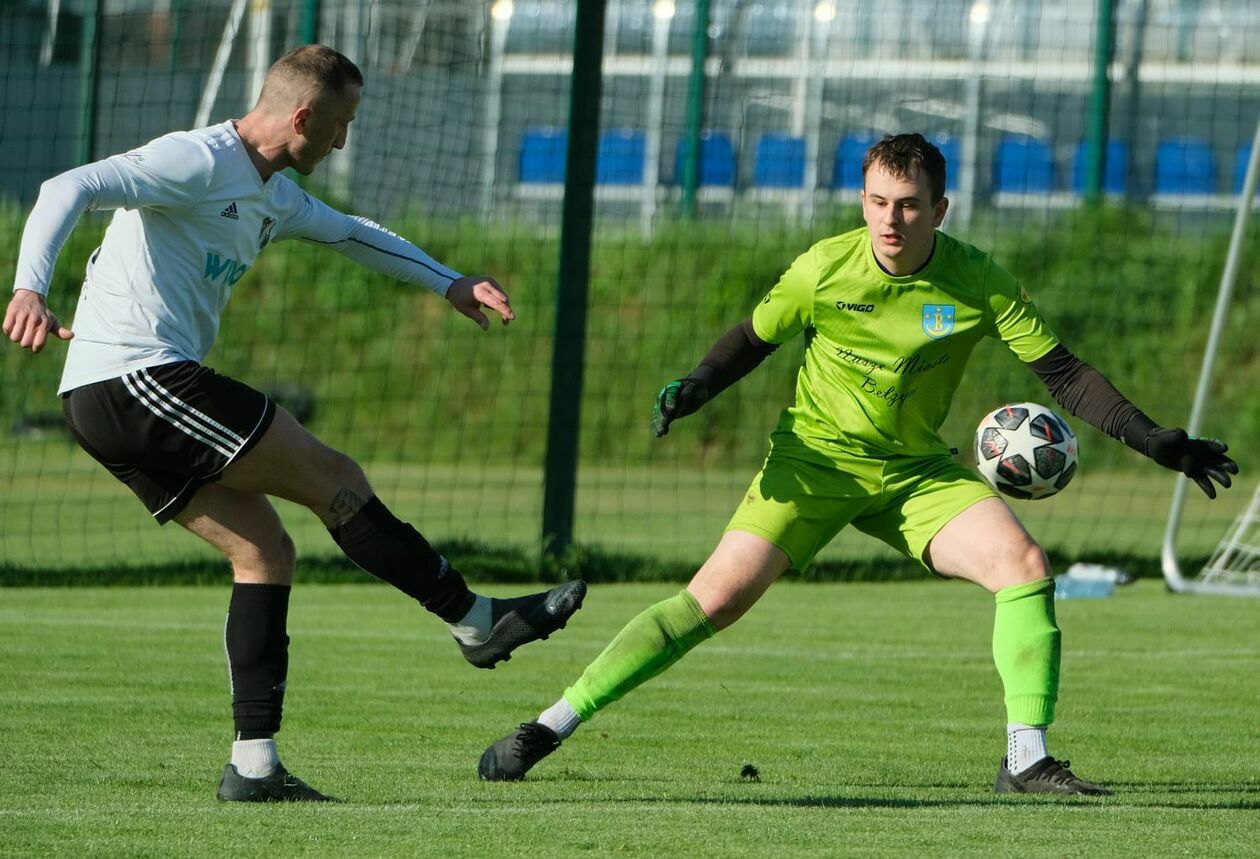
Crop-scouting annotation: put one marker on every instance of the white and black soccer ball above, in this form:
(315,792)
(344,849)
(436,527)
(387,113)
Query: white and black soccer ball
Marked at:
(1024,450)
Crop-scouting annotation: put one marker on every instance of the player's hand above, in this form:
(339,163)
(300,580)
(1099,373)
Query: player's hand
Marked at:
(678,399)
(1196,458)
(28,321)
(470,294)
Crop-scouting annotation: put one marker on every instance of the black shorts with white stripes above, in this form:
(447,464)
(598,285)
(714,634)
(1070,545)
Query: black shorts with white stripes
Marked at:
(166,431)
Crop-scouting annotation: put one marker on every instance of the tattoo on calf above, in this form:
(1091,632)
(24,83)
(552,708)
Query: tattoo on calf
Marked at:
(346,503)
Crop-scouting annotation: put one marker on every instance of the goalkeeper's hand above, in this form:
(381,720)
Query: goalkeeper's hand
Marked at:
(678,399)
(1196,458)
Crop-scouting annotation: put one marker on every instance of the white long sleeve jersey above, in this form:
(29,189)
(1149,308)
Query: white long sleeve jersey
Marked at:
(192,216)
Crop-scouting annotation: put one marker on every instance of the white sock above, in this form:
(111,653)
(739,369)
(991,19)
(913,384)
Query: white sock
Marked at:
(255,758)
(474,627)
(561,718)
(1025,745)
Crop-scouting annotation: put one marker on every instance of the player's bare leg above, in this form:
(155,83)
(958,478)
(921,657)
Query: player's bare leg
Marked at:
(987,545)
(244,527)
(289,462)
(740,570)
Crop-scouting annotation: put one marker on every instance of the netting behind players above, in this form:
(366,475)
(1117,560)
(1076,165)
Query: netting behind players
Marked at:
(459,145)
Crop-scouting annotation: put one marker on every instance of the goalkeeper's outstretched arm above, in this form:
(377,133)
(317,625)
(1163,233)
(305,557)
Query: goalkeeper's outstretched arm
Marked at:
(1086,393)
(735,354)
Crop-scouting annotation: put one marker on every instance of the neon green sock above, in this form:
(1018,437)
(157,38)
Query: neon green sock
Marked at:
(645,647)
(1026,650)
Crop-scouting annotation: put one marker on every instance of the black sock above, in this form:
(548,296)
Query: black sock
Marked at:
(258,657)
(394,551)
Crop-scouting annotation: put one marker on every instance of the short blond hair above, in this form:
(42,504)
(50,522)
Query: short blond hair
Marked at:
(306,73)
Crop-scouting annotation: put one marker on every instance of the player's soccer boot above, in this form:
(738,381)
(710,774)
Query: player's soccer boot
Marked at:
(1046,776)
(511,757)
(524,619)
(280,786)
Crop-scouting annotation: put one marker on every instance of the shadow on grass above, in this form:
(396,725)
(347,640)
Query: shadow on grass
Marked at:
(1121,800)
(1128,795)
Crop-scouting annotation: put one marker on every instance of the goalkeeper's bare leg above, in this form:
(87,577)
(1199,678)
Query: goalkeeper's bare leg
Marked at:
(984,544)
(740,570)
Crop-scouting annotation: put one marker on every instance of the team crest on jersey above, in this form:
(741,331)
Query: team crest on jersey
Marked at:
(264,235)
(938,320)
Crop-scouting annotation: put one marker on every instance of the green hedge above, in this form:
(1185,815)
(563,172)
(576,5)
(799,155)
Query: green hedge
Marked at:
(384,361)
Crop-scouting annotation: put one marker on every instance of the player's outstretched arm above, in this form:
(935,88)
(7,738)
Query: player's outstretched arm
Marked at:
(1086,393)
(471,293)
(736,354)
(28,321)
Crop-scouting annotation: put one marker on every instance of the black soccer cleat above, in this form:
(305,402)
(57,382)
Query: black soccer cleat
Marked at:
(280,786)
(521,620)
(511,757)
(1046,776)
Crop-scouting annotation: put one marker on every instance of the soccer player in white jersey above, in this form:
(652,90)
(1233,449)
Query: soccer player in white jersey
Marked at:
(193,211)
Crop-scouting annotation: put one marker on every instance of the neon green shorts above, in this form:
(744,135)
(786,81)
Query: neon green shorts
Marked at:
(802,498)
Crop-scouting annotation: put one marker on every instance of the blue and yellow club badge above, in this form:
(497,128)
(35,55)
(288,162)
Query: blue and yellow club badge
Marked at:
(938,320)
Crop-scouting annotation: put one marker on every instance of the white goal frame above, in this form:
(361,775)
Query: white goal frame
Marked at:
(1222,575)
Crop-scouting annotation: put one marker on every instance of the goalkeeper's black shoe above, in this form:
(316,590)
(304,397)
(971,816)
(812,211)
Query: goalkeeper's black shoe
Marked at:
(280,786)
(524,619)
(511,757)
(1046,776)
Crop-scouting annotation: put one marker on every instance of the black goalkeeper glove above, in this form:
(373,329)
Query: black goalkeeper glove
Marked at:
(1196,458)
(678,399)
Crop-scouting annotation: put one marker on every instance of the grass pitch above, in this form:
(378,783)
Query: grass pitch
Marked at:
(872,713)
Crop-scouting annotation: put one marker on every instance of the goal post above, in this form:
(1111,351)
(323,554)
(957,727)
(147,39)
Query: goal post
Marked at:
(1235,568)
(1236,562)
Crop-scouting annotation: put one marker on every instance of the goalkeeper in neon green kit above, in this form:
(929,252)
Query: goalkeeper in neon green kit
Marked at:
(890,314)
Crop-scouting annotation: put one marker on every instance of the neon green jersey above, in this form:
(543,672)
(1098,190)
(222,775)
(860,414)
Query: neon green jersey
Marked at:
(885,354)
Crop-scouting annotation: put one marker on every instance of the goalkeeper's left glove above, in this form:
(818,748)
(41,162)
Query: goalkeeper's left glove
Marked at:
(1196,458)
(678,399)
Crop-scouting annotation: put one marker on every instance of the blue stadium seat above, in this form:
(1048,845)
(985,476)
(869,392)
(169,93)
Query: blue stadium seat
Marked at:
(1240,166)
(850,152)
(1184,165)
(621,157)
(542,155)
(717,159)
(1114,171)
(779,161)
(1023,165)
(948,145)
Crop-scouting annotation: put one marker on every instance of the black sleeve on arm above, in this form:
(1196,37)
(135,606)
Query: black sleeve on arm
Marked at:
(1086,393)
(735,354)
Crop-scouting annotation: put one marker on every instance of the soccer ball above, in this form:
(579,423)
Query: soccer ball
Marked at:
(1025,451)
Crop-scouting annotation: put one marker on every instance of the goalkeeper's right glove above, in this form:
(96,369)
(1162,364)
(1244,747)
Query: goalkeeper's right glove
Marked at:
(1196,458)
(678,399)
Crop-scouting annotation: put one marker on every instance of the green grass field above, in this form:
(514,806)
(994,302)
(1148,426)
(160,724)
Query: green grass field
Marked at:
(872,712)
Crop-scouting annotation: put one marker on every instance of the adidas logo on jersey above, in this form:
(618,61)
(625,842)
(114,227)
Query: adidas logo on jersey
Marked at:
(230,212)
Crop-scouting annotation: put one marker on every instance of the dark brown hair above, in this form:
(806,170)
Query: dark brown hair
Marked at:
(904,155)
